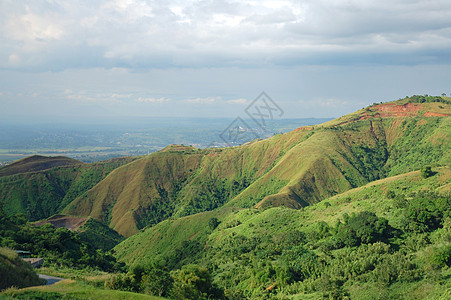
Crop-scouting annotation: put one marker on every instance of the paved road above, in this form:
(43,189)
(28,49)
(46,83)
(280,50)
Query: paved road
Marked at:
(50,279)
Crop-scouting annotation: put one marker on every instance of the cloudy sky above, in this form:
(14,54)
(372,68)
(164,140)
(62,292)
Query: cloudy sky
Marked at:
(315,58)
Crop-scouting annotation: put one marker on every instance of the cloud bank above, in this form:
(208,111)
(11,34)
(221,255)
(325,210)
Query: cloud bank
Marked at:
(136,34)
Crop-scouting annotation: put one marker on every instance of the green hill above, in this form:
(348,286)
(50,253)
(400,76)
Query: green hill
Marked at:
(15,272)
(68,289)
(315,252)
(89,230)
(41,194)
(296,169)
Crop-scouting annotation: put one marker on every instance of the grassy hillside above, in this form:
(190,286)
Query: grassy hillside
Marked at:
(36,163)
(41,194)
(314,252)
(99,235)
(70,289)
(294,170)
(15,272)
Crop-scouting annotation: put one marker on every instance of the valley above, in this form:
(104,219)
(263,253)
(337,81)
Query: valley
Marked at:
(357,207)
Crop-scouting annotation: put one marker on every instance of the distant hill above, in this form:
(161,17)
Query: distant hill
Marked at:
(37,163)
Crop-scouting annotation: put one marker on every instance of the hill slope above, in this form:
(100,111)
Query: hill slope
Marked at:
(37,163)
(313,252)
(15,272)
(296,169)
(41,194)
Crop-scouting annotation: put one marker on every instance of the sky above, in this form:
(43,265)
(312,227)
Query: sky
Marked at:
(315,58)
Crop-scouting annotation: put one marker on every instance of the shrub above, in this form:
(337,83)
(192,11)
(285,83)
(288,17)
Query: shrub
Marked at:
(157,281)
(425,212)
(426,172)
(194,282)
(363,228)
(441,256)
(213,223)
(299,263)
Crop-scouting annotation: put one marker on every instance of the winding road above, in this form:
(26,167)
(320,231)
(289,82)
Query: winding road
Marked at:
(50,279)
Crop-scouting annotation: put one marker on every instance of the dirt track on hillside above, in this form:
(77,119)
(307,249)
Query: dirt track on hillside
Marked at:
(69,222)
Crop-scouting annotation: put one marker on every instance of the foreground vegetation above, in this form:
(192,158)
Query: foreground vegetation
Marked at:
(59,246)
(389,239)
(14,271)
(70,289)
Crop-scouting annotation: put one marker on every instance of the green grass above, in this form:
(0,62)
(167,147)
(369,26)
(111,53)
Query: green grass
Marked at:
(41,194)
(14,271)
(69,289)
(248,241)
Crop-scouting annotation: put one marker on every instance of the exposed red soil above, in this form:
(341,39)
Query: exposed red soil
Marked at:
(422,122)
(69,222)
(433,114)
(304,128)
(391,110)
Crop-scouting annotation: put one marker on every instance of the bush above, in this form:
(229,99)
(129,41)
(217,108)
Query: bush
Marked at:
(426,172)
(299,264)
(194,282)
(157,281)
(213,223)
(441,256)
(425,212)
(363,228)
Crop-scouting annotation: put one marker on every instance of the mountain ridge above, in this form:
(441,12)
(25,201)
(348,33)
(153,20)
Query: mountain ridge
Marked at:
(295,169)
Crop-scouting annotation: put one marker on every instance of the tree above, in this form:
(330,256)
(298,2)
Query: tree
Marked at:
(425,212)
(213,223)
(363,228)
(426,172)
(194,282)
(157,281)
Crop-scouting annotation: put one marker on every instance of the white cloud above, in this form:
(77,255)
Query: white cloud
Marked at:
(206,100)
(153,100)
(30,26)
(80,97)
(238,101)
(121,96)
(93,96)
(173,33)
